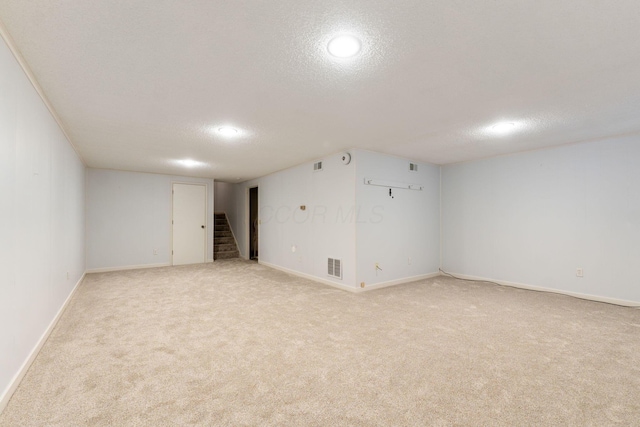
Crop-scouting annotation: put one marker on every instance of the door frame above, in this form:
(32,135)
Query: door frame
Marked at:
(206,220)
(247,221)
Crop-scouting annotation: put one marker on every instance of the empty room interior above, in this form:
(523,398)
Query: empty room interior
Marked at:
(320,213)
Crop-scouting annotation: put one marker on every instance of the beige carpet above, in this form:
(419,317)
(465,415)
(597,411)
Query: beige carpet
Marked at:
(234,343)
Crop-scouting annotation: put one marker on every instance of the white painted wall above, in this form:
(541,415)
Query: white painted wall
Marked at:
(325,229)
(41,220)
(400,233)
(237,214)
(533,218)
(129,215)
(223,193)
(342,214)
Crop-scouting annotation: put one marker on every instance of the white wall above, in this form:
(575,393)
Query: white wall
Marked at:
(238,216)
(41,220)
(400,233)
(533,218)
(325,229)
(343,215)
(223,193)
(129,215)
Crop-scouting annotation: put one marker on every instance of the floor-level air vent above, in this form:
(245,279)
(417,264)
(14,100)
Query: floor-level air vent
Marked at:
(413,167)
(317,166)
(334,268)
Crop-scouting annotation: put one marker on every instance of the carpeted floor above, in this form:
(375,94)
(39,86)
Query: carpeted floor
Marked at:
(238,344)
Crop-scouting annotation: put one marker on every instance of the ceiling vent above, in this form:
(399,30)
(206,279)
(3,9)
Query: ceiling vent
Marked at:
(334,268)
(317,166)
(413,167)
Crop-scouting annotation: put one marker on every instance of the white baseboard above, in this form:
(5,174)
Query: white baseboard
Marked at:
(127,267)
(347,287)
(15,382)
(398,281)
(310,277)
(615,301)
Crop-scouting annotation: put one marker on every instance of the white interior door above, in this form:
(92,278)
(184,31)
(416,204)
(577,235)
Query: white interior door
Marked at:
(189,223)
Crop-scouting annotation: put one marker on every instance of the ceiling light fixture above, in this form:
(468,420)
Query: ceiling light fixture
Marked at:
(503,128)
(227,131)
(189,163)
(344,46)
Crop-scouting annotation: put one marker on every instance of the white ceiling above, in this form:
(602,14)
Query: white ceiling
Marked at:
(138,84)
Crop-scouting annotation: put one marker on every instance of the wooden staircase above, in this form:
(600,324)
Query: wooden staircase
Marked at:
(224,245)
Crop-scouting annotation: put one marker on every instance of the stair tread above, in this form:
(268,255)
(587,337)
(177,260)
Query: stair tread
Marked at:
(224,244)
(226,255)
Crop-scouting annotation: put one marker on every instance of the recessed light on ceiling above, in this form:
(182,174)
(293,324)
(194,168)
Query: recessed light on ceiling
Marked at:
(503,128)
(227,131)
(189,163)
(344,46)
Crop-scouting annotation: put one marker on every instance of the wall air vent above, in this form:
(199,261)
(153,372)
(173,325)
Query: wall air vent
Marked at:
(317,166)
(413,167)
(334,268)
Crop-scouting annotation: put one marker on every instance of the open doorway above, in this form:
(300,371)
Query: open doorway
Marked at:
(253,223)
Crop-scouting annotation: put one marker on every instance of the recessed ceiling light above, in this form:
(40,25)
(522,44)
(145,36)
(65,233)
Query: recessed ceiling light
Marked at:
(503,128)
(227,131)
(344,46)
(189,163)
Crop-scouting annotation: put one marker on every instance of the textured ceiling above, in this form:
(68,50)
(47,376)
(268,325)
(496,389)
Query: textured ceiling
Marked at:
(139,84)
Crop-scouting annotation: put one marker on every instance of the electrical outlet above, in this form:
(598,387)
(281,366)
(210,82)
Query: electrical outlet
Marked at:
(155,252)
(409,261)
(67,275)
(579,272)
